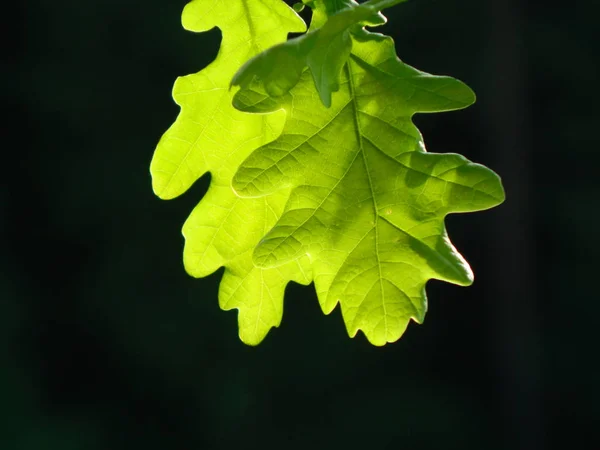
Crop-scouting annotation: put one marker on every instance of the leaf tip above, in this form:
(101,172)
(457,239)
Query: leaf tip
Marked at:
(250,339)
(194,19)
(160,186)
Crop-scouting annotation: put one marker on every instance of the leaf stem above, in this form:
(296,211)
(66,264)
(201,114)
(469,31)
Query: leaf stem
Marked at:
(382,4)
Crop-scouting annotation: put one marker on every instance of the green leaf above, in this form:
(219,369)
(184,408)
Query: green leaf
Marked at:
(209,135)
(366,204)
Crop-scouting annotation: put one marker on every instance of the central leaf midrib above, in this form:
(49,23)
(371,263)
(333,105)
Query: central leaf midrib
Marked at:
(251,29)
(361,150)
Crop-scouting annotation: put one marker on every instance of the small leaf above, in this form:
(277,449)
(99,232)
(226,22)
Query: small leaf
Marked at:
(324,50)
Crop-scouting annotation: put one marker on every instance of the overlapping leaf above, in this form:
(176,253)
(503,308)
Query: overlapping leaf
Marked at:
(211,136)
(324,50)
(366,202)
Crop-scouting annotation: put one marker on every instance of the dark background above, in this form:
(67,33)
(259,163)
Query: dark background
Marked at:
(106,343)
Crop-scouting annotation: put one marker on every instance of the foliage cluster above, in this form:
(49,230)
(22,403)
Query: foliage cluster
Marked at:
(318,172)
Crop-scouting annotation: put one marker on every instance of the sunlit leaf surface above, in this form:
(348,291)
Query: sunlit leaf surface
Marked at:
(319,174)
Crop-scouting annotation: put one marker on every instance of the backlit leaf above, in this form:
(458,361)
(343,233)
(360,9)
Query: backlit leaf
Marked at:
(367,202)
(212,136)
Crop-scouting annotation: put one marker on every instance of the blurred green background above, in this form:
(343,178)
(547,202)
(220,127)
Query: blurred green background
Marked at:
(108,344)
